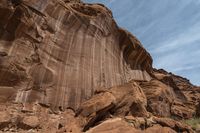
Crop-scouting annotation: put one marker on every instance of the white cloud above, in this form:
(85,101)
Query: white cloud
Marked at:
(186,38)
(169,29)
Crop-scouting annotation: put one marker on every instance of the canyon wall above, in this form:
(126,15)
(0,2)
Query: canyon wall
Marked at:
(58,53)
(66,66)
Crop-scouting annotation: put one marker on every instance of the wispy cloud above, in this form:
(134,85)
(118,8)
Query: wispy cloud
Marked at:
(169,29)
(187,37)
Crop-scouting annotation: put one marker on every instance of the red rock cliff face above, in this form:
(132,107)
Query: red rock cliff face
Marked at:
(58,53)
(74,70)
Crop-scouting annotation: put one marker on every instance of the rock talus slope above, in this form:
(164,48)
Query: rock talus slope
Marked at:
(66,66)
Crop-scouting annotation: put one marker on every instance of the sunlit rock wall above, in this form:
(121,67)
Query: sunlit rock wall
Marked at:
(58,53)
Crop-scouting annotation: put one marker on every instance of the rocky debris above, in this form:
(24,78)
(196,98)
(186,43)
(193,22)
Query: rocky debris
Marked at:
(177,126)
(42,120)
(70,123)
(183,110)
(187,96)
(39,120)
(93,117)
(66,66)
(140,122)
(119,101)
(159,97)
(97,103)
(130,99)
(164,101)
(116,125)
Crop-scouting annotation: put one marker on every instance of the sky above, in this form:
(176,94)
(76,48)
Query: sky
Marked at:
(168,29)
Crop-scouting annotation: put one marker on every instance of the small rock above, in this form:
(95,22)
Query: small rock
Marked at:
(5,117)
(31,121)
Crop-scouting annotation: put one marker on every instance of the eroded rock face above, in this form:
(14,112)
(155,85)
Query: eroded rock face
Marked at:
(184,96)
(59,52)
(160,97)
(74,70)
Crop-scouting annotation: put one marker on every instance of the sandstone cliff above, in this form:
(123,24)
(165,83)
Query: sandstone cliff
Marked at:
(59,53)
(64,55)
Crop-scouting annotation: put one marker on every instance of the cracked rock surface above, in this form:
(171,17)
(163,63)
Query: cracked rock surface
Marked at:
(67,67)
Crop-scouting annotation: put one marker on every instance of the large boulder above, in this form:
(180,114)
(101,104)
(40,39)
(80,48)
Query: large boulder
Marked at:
(5,119)
(30,122)
(115,125)
(159,129)
(127,99)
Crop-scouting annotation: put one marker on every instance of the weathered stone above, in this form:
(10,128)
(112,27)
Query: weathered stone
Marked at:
(30,122)
(5,120)
(130,99)
(175,125)
(57,56)
(115,125)
(140,122)
(120,100)
(159,97)
(186,96)
(159,129)
(64,51)
(97,103)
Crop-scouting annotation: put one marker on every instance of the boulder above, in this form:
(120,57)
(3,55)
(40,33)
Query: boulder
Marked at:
(159,129)
(5,120)
(130,99)
(173,124)
(115,125)
(120,101)
(30,122)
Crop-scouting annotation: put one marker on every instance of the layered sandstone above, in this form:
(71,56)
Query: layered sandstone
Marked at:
(60,52)
(65,66)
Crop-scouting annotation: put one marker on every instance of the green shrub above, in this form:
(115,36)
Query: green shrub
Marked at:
(194,122)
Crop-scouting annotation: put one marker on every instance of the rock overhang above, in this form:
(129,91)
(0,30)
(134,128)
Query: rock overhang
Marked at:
(67,50)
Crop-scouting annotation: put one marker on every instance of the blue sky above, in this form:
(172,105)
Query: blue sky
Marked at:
(168,29)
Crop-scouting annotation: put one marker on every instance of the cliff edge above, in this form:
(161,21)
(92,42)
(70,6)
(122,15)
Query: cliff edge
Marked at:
(65,60)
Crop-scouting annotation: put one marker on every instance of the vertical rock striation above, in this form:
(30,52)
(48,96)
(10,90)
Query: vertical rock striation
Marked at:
(59,52)
(72,57)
